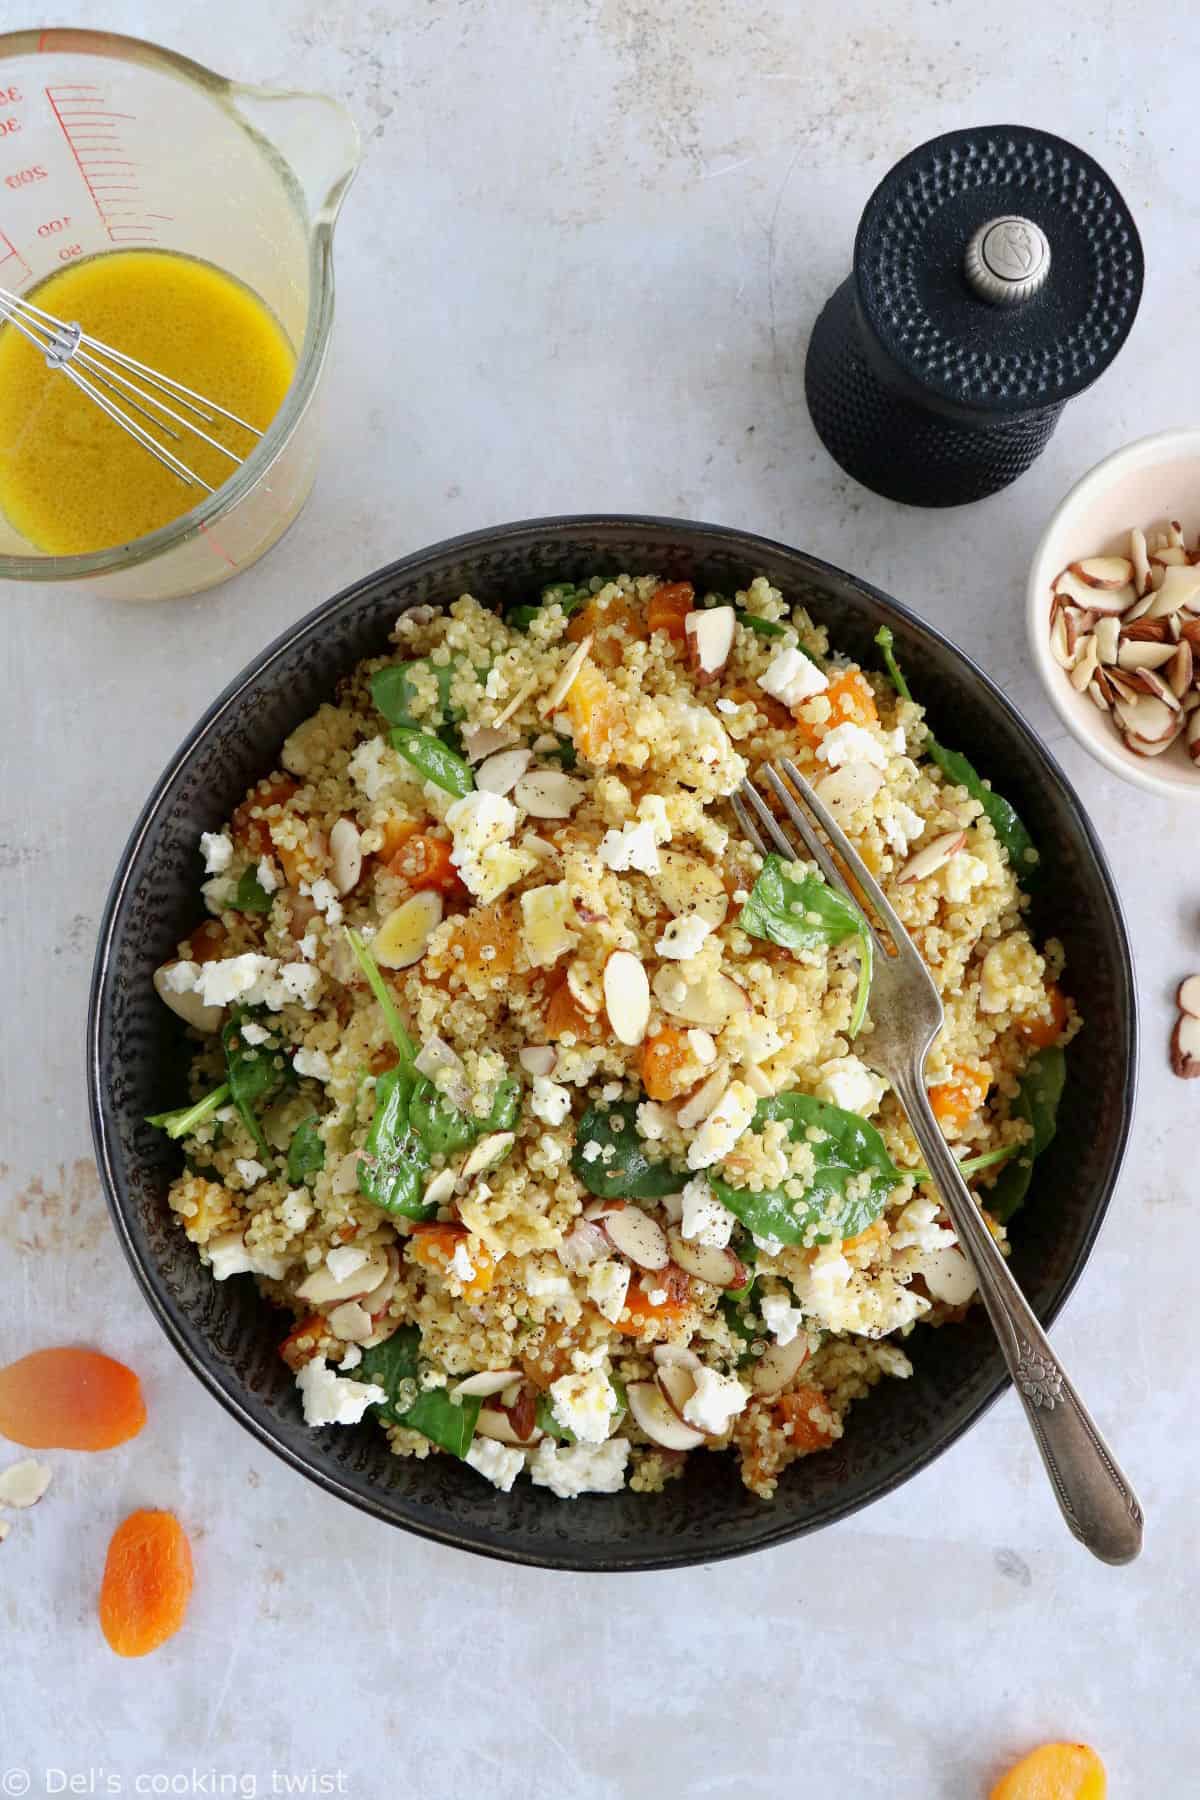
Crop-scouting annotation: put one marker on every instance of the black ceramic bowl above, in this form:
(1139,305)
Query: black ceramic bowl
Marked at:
(229,1336)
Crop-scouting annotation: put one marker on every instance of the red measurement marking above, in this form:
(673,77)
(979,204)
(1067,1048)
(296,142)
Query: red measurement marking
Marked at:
(211,541)
(9,251)
(78,109)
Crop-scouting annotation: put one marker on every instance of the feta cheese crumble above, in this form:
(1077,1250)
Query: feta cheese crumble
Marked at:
(572,1469)
(704,1219)
(682,938)
(331,1399)
(217,851)
(791,677)
(715,1401)
(584,1404)
(498,1463)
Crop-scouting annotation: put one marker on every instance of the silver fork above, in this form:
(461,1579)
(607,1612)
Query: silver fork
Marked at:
(1096,1500)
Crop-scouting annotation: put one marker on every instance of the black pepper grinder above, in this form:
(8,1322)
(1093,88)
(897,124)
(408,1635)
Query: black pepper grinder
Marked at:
(997,272)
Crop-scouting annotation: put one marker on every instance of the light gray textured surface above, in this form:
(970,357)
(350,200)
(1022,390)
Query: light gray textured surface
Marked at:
(577,271)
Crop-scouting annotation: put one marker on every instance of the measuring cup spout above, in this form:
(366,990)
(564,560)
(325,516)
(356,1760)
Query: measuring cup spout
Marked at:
(313,134)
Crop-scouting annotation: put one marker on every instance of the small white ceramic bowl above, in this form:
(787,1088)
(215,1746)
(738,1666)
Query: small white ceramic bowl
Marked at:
(1148,482)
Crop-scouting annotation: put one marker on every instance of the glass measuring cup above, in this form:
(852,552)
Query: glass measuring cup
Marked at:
(108,143)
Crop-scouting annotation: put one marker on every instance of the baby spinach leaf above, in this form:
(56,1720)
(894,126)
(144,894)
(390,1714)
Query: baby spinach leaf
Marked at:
(394,1162)
(394,691)
(559,593)
(444,1129)
(184,1119)
(838,1202)
(1037,1103)
(1006,823)
(434,760)
(805,913)
(564,752)
(382,993)
(972,1163)
(255,1072)
(306,1152)
(395,1366)
(620,1166)
(250,895)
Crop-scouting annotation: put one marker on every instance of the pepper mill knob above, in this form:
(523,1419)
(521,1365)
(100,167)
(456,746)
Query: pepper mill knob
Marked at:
(997,272)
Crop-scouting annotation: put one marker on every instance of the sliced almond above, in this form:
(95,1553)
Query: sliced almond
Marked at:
(710,633)
(1180,588)
(1140,608)
(710,1002)
(1104,571)
(1193,735)
(403,938)
(948,1276)
(493,1423)
(538,1059)
(566,679)
(500,773)
(485,740)
(1123,688)
(1190,629)
(1060,645)
(720,1268)
(627,996)
(1187,998)
(1108,640)
(638,1236)
(704,1099)
(548,794)
(323,1289)
(518,700)
(677,1383)
(686,884)
(1146,718)
(1175,533)
(1086,663)
(855,784)
(1079,625)
(1143,747)
(1140,560)
(351,1322)
(489,1151)
(23,1483)
(779,1365)
(1171,556)
(1185,1046)
(658,1418)
(1096,693)
(1138,653)
(932,856)
(1180,671)
(1096,599)
(1146,631)
(585,985)
(486,1383)
(345,855)
(665,1354)
(439,1188)
(189,1007)
(1151,682)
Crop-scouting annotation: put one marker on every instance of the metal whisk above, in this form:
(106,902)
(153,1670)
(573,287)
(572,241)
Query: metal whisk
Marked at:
(69,348)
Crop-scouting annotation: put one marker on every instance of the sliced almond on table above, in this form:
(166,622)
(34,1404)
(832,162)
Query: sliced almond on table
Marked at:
(1188,997)
(403,938)
(1104,571)
(23,1483)
(345,855)
(189,1007)
(486,1383)
(1086,664)
(932,856)
(720,1268)
(779,1365)
(627,996)
(548,794)
(500,772)
(710,633)
(658,1418)
(566,679)
(1185,1046)
(639,1237)
(686,884)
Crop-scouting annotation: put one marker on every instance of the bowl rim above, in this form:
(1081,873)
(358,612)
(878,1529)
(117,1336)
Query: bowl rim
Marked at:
(154,1290)
(1098,740)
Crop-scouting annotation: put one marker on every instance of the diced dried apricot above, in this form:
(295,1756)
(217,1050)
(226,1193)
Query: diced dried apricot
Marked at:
(773,711)
(564,1014)
(147,1583)
(610,628)
(423,861)
(640,1310)
(1055,1772)
(663,1056)
(396,832)
(304,1341)
(874,1234)
(1042,1029)
(251,830)
(433,1246)
(550,1357)
(68,1399)
(208,941)
(851,702)
(594,708)
(795,1411)
(669,607)
(488,937)
(955,1101)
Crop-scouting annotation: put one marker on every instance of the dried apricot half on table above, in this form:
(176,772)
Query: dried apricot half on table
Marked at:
(70,1399)
(1055,1772)
(147,1583)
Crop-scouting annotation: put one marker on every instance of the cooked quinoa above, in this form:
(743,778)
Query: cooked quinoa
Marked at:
(517,1068)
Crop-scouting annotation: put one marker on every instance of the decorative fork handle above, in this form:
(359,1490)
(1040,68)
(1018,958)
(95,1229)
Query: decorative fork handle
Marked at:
(1097,1502)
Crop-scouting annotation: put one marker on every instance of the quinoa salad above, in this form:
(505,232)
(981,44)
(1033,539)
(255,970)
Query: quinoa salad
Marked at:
(539,1101)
